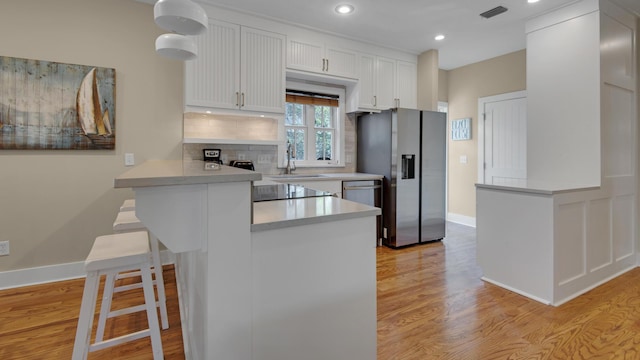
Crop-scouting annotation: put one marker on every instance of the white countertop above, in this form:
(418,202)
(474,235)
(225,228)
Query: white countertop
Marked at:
(535,187)
(269,215)
(323,177)
(178,172)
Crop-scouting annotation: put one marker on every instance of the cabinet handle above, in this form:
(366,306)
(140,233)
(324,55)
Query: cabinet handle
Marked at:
(237,98)
(327,66)
(375,100)
(242,100)
(324,64)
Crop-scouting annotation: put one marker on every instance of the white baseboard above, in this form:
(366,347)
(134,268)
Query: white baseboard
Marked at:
(51,273)
(517,291)
(461,219)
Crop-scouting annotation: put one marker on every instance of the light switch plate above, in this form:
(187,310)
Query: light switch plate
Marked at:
(129,160)
(463,159)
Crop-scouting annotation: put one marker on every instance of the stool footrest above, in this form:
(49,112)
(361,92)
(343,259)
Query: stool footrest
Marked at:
(119,340)
(125,311)
(122,288)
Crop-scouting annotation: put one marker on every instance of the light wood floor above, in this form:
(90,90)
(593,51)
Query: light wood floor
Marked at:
(431,305)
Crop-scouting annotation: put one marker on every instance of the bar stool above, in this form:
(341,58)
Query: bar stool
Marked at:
(125,222)
(128,205)
(110,255)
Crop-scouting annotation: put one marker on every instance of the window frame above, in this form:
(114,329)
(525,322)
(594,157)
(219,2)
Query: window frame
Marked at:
(310,132)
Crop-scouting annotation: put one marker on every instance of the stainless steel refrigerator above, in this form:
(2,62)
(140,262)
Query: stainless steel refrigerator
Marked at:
(408,147)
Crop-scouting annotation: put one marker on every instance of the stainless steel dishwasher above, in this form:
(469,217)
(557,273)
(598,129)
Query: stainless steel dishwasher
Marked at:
(367,192)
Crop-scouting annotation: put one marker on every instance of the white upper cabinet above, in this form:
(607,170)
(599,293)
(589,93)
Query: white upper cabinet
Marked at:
(321,58)
(387,83)
(237,68)
(407,85)
(262,71)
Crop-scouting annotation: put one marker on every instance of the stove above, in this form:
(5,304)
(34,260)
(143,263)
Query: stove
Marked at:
(284,192)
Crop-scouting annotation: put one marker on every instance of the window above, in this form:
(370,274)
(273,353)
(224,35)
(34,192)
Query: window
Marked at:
(312,125)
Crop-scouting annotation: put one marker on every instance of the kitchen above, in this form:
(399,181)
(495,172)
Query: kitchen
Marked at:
(67,210)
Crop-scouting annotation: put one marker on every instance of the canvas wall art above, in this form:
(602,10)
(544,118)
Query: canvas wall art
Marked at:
(50,105)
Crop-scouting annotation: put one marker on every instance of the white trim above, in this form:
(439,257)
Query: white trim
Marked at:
(339,129)
(461,219)
(481,104)
(520,292)
(52,273)
(593,286)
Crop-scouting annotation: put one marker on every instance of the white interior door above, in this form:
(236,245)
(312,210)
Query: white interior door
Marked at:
(503,138)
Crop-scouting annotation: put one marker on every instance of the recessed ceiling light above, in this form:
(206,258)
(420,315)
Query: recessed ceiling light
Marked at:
(439,37)
(344,9)
(532,1)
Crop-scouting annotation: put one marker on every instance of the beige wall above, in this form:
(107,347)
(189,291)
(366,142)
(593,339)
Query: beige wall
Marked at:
(428,70)
(495,76)
(443,85)
(54,203)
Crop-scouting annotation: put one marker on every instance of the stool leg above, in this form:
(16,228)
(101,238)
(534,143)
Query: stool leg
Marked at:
(85,320)
(152,315)
(157,268)
(107,296)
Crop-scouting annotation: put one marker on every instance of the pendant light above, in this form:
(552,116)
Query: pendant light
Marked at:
(176,46)
(180,16)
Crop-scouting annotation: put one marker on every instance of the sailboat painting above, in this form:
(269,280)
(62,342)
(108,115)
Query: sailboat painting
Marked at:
(48,105)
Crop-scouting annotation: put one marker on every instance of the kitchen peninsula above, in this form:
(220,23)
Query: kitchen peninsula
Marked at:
(286,279)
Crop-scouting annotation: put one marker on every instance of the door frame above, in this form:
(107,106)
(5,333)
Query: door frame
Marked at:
(481,134)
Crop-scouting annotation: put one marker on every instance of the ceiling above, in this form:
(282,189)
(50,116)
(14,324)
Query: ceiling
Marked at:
(410,25)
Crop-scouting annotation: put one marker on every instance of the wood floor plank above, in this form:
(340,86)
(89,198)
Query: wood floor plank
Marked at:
(432,304)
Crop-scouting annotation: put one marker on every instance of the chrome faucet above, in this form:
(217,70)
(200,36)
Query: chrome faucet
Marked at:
(290,154)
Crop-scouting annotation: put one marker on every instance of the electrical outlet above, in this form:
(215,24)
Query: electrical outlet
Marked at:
(242,156)
(264,159)
(129,160)
(4,248)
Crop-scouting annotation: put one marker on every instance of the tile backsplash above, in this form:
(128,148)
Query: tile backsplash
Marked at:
(233,127)
(264,157)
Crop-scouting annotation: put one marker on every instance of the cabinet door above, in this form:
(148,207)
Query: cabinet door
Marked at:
(262,71)
(367,82)
(213,78)
(407,85)
(306,56)
(341,62)
(385,83)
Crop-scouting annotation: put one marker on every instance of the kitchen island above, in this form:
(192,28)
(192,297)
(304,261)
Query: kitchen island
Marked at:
(552,242)
(286,279)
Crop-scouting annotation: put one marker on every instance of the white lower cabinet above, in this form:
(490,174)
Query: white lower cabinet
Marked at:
(238,68)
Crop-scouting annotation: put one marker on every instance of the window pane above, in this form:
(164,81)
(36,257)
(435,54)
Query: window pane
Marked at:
(296,136)
(299,142)
(294,114)
(324,145)
(322,116)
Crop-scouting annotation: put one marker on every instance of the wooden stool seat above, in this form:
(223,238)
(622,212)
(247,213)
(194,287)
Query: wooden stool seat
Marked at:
(110,255)
(128,205)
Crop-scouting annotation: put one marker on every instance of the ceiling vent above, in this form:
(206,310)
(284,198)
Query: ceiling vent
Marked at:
(493,12)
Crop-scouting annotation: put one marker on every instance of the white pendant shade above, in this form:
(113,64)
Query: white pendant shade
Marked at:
(176,46)
(180,16)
